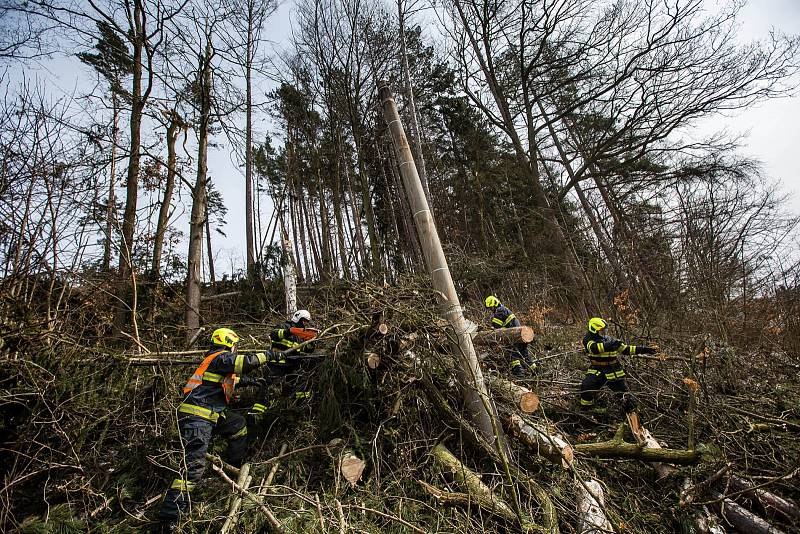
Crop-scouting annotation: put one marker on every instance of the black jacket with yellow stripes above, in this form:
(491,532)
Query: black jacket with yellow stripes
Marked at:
(209,394)
(504,318)
(283,339)
(603,350)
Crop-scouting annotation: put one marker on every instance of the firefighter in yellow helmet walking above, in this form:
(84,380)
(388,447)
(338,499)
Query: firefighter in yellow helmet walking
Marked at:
(203,414)
(604,368)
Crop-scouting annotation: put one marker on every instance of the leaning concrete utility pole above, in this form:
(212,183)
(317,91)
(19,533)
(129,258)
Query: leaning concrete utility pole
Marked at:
(476,397)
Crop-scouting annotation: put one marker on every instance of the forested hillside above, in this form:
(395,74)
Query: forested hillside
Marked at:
(399,165)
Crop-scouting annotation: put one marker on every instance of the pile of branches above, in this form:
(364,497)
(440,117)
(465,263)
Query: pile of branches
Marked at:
(89,435)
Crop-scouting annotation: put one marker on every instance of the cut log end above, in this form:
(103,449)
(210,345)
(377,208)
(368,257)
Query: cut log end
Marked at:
(529,402)
(352,467)
(373,360)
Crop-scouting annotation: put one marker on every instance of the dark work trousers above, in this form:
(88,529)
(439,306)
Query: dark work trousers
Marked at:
(518,356)
(294,385)
(614,377)
(196,434)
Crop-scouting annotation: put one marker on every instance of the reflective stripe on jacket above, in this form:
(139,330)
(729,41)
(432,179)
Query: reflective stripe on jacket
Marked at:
(603,350)
(504,318)
(228,382)
(213,382)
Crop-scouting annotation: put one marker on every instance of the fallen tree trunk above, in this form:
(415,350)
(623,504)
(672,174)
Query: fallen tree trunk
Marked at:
(590,507)
(519,334)
(549,511)
(477,492)
(523,398)
(617,448)
(541,440)
(663,470)
(697,519)
(233,514)
(768,500)
(741,519)
(273,524)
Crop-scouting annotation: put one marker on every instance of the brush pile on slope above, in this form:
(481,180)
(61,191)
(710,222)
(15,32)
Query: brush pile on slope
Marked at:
(89,438)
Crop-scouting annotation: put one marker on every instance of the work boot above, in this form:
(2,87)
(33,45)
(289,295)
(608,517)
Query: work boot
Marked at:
(165,526)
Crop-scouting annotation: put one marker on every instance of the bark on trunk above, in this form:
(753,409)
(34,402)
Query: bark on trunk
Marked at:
(416,137)
(521,397)
(137,39)
(111,208)
(476,396)
(248,149)
(199,200)
(741,519)
(616,448)
(211,276)
(478,492)
(768,500)
(289,274)
(176,125)
(591,501)
(541,440)
(520,334)
(244,481)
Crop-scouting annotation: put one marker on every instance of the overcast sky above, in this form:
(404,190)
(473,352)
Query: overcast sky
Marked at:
(772,129)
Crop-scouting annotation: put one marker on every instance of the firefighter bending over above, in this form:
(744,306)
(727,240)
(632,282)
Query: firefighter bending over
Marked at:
(204,413)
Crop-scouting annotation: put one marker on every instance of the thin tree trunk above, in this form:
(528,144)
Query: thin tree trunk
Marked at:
(132,180)
(211,276)
(362,245)
(416,138)
(366,201)
(248,151)
(176,124)
(112,185)
(336,190)
(299,263)
(326,244)
(199,200)
(309,228)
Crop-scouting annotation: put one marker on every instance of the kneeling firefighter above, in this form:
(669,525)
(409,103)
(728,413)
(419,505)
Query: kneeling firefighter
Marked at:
(604,368)
(288,337)
(204,413)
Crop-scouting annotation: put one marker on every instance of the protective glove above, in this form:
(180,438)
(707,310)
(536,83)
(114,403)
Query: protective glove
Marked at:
(646,350)
(247,381)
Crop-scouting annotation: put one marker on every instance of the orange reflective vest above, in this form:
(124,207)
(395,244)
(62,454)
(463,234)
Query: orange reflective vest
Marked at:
(228,382)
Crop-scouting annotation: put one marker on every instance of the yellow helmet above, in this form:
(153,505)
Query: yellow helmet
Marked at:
(596,324)
(492,301)
(224,336)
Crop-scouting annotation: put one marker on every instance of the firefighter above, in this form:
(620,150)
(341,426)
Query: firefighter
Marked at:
(519,359)
(284,337)
(604,368)
(204,413)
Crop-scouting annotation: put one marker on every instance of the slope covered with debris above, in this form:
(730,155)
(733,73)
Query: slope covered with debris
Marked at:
(89,435)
